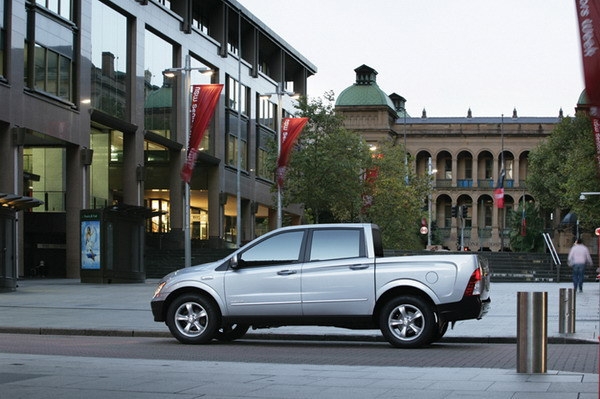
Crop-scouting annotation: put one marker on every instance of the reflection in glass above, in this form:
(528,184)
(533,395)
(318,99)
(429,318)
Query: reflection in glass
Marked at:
(158,56)
(109,60)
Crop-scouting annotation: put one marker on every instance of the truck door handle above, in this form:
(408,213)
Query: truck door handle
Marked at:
(286,272)
(359,267)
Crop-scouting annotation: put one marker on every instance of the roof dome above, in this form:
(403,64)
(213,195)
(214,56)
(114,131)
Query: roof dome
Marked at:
(365,91)
(583,99)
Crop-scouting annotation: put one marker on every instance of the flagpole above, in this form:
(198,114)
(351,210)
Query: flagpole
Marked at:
(503,224)
(185,73)
(238,220)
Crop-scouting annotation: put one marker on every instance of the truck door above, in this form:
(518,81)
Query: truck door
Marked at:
(267,279)
(338,278)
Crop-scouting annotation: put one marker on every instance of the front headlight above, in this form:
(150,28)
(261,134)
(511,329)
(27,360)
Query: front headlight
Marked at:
(159,288)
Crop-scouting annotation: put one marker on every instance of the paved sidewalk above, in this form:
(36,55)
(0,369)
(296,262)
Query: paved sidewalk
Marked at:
(67,304)
(70,307)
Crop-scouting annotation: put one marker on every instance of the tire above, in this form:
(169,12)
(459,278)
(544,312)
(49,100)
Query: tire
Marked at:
(231,332)
(193,319)
(407,322)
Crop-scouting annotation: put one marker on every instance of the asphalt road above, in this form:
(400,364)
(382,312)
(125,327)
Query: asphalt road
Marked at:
(562,357)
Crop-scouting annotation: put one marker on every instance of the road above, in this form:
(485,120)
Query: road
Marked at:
(560,357)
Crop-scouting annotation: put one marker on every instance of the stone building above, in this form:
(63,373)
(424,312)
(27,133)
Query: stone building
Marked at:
(464,155)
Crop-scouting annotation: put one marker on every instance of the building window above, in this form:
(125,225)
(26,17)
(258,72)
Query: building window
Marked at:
(2,38)
(232,141)
(157,88)
(266,113)
(60,7)
(235,97)
(49,56)
(468,168)
(109,60)
(266,140)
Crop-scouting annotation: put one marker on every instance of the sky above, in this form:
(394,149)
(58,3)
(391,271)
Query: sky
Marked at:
(444,56)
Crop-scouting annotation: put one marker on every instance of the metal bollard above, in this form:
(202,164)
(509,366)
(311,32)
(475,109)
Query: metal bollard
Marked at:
(566,311)
(532,332)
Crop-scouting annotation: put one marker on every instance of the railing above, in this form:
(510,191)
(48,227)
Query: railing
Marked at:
(54,201)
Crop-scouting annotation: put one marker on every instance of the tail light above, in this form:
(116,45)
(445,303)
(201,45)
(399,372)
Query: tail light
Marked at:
(474,285)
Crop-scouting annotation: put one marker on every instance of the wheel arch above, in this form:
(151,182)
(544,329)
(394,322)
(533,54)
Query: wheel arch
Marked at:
(402,290)
(173,295)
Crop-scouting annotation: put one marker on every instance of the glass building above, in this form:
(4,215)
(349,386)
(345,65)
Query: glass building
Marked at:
(89,120)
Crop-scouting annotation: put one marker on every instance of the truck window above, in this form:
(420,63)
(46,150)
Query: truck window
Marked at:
(336,244)
(281,248)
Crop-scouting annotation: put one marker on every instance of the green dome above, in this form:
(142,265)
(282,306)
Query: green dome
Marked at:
(365,91)
(583,99)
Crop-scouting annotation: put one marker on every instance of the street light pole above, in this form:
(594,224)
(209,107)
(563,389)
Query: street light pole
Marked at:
(185,73)
(279,93)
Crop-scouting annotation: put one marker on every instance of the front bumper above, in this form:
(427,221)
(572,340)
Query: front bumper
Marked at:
(158,310)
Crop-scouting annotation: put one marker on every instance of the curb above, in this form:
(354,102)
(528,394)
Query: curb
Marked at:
(274,336)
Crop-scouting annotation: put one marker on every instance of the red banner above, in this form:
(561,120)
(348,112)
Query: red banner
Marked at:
(204,101)
(588,14)
(290,130)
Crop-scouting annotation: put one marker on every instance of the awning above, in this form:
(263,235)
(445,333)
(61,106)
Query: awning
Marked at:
(18,202)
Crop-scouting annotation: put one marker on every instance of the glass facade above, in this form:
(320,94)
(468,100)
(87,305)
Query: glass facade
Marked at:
(49,54)
(2,37)
(109,60)
(158,89)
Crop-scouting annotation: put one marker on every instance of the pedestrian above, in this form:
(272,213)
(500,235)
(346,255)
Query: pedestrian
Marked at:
(579,258)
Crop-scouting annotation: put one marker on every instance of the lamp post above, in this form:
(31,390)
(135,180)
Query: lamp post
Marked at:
(185,73)
(279,93)
(430,172)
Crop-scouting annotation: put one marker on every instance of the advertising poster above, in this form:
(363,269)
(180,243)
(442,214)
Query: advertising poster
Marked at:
(90,244)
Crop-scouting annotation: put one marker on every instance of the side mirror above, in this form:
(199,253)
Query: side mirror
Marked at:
(234,262)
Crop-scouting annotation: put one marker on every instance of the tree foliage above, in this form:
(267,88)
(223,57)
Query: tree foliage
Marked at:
(325,171)
(397,198)
(527,227)
(564,166)
(327,174)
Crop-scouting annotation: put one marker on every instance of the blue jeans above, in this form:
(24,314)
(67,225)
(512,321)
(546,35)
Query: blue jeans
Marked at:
(578,270)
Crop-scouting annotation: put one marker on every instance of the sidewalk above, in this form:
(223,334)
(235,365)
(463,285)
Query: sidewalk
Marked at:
(70,307)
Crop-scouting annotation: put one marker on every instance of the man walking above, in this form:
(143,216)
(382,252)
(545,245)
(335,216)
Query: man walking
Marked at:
(579,257)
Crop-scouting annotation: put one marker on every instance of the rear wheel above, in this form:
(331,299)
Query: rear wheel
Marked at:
(193,319)
(407,322)
(231,332)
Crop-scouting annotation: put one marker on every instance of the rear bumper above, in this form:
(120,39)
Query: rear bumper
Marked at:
(470,307)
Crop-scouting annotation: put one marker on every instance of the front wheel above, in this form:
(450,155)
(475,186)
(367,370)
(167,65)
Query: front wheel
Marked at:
(407,322)
(193,319)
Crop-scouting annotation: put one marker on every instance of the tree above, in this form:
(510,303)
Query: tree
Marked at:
(564,166)
(397,198)
(527,227)
(325,172)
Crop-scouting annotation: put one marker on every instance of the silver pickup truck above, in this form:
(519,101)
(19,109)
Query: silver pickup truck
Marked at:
(325,275)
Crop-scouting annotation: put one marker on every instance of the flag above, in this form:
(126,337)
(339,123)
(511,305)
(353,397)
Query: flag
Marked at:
(290,130)
(204,101)
(499,191)
(588,16)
